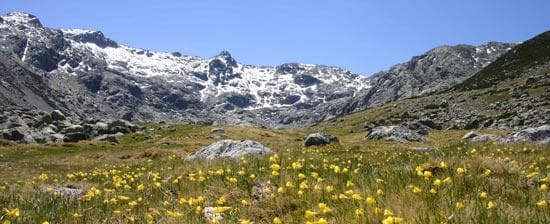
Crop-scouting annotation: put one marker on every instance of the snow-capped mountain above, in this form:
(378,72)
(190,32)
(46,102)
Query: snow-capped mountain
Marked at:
(96,76)
(84,73)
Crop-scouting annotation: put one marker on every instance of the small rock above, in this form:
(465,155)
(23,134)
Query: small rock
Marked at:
(470,135)
(217,130)
(68,192)
(262,190)
(211,215)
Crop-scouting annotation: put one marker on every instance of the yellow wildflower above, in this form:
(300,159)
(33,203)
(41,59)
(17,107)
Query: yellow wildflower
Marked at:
(491,205)
(309,214)
(359,212)
(324,208)
(12,212)
(483,195)
(543,187)
(542,204)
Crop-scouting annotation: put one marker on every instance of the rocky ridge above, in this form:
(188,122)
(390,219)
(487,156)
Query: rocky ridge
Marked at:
(84,73)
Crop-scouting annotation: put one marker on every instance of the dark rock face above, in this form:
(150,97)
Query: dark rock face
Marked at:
(230,149)
(319,139)
(394,133)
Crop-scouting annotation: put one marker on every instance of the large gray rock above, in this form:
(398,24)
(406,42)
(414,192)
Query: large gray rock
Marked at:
(230,149)
(538,135)
(394,133)
(490,138)
(319,139)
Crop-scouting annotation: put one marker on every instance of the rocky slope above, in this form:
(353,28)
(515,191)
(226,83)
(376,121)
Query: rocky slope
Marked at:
(434,71)
(512,93)
(83,73)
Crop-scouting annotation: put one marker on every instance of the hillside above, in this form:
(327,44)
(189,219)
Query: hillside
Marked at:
(519,62)
(511,93)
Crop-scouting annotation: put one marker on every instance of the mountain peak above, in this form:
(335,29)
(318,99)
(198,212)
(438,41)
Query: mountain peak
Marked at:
(21,18)
(224,54)
(226,57)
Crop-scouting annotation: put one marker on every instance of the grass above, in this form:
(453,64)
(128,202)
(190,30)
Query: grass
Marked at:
(145,179)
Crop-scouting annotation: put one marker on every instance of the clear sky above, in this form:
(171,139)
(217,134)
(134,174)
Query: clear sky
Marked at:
(360,35)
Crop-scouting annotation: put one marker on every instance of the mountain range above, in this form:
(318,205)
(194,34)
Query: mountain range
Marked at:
(85,74)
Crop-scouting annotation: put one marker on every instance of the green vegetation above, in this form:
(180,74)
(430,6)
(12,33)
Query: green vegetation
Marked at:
(145,179)
(513,64)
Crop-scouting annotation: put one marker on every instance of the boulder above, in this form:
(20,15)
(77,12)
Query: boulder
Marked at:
(100,127)
(75,137)
(217,130)
(74,128)
(18,134)
(394,133)
(48,130)
(121,126)
(490,138)
(319,139)
(230,149)
(57,138)
(57,115)
(538,135)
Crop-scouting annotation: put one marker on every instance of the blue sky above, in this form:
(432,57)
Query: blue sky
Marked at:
(362,36)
